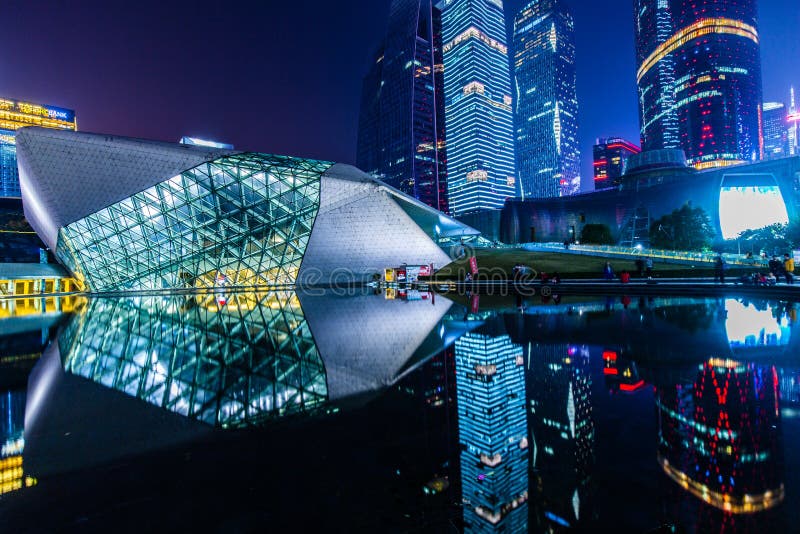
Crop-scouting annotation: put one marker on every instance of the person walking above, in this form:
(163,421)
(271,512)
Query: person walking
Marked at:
(640,267)
(608,272)
(719,269)
(788,268)
(648,265)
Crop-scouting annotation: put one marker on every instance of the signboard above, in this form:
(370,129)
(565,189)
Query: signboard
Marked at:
(474,303)
(388,275)
(473,265)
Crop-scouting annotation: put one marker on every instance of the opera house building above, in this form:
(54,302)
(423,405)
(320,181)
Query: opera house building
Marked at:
(130,214)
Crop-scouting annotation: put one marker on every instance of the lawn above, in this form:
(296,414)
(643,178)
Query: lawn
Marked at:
(497,263)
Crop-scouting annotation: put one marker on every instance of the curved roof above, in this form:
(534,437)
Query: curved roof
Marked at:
(66,175)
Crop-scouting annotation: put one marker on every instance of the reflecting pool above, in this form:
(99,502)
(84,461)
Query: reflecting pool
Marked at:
(399,411)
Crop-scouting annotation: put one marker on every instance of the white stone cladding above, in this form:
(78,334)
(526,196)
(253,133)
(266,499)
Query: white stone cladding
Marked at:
(361,229)
(65,175)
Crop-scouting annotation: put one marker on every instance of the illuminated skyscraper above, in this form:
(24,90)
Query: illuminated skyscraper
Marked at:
(720,437)
(559,389)
(492,429)
(477,87)
(793,119)
(699,78)
(610,156)
(15,115)
(776,130)
(401,124)
(546,107)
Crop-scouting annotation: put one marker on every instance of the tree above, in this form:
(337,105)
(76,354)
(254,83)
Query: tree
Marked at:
(596,234)
(686,228)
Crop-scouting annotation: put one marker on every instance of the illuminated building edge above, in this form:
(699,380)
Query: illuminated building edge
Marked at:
(176,216)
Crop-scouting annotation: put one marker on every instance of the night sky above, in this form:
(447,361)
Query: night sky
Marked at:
(285,77)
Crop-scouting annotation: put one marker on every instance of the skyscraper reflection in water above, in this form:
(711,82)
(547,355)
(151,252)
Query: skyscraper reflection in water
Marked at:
(562,433)
(490,382)
(720,437)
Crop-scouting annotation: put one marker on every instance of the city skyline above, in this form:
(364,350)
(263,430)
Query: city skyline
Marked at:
(145,83)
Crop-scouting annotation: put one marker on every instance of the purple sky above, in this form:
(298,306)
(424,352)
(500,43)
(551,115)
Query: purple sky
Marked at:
(285,77)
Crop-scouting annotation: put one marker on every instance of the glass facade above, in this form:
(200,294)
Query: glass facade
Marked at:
(401,125)
(720,436)
(15,114)
(546,107)
(699,79)
(479,121)
(225,361)
(563,432)
(776,130)
(492,429)
(610,156)
(240,220)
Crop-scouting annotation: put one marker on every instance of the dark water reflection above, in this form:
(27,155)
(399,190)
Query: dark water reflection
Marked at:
(400,412)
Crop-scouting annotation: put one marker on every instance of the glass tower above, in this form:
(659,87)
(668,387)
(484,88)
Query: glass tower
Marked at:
(546,108)
(610,155)
(776,130)
(562,433)
(14,115)
(492,428)
(477,87)
(401,123)
(699,79)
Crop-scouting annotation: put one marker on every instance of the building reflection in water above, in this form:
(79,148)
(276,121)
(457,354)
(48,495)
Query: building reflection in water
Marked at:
(490,382)
(719,437)
(562,433)
(225,360)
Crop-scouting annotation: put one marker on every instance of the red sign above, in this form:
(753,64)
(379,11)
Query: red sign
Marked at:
(475,303)
(424,270)
(473,265)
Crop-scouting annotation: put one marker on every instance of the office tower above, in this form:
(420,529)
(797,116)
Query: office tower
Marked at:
(720,437)
(793,119)
(559,387)
(15,114)
(492,429)
(610,156)
(546,107)
(699,79)
(401,123)
(776,130)
(479,120)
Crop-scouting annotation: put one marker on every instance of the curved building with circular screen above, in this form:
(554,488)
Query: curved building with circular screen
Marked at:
(131,214)
(699,79)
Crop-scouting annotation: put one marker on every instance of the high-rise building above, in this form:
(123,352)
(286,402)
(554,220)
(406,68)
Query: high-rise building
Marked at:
(610,155)
(699,78)
(719,437)
(15,114)
(776,130)
(479,120)
(793,118)
(492,430)
(546,107)
(559,390)
(401,124)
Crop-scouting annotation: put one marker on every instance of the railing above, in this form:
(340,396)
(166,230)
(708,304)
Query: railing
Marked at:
(635,252)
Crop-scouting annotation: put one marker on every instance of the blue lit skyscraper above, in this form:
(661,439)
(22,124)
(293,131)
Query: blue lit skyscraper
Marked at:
(479,120)
(546,107)
(562,434)
(492,429)
(699,79)
(776,130)
(401,123)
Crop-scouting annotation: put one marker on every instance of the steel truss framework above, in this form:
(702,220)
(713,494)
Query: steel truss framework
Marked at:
(229,362)
(240,220)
